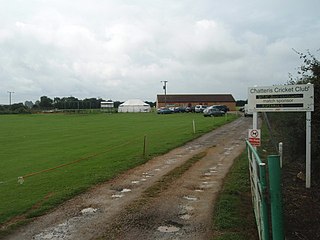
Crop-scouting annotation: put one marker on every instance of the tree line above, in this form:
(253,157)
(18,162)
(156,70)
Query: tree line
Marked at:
(69,103)
(57,103)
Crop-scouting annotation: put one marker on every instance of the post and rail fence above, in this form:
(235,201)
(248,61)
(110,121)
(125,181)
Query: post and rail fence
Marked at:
(266,194)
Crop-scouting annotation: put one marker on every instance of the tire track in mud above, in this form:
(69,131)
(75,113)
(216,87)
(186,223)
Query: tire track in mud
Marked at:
(181,211)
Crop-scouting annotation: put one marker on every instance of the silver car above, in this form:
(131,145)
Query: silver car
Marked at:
(213,112)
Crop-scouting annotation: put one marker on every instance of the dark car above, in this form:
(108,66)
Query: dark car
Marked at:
(223,108)
(164,111)
(179,109)
(213,112)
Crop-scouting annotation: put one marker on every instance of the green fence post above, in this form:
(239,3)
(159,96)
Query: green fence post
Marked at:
(275,197)
(264,206)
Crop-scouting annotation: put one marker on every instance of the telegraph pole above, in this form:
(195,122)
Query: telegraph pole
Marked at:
(165,92)
(10,95)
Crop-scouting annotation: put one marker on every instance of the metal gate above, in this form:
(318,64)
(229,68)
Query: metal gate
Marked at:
(266,194)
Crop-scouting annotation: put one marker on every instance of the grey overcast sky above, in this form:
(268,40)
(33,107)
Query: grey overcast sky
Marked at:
(123,49)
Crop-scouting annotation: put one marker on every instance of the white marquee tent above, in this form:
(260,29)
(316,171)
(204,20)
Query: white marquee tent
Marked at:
(134,105)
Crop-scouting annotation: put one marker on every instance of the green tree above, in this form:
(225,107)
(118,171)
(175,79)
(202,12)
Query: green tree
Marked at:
(293,136)
(46,103)
(19,108)
(309,72)
(241,103)
(152,104)
(92,103)
(117,104)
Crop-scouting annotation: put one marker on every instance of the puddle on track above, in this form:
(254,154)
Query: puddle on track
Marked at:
(125,190)
(117,196)
(185,217)
(190,198)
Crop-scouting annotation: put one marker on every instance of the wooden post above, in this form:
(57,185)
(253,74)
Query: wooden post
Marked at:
(144,145)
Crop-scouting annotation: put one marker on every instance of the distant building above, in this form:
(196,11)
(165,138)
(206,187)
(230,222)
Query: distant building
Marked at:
(191,100)
(107,104)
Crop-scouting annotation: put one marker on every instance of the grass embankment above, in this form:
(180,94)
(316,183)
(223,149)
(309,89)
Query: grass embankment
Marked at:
(62,155)
(233,214)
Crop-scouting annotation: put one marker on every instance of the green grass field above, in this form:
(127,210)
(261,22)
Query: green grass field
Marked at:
(61,155)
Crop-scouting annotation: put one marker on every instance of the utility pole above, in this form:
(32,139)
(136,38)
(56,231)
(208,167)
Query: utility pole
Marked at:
(165,92)
(10,94)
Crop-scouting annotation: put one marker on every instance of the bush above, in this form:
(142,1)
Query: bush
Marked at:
(290,128)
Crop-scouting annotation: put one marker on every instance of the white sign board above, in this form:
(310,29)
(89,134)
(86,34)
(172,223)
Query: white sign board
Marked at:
(286,98)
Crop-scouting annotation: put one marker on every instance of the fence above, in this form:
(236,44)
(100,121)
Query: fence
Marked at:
(260,175)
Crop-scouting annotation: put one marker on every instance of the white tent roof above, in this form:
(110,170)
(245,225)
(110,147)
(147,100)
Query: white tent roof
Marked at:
(134,102)
(134,105)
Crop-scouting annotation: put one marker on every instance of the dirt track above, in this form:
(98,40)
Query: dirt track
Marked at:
(117,210)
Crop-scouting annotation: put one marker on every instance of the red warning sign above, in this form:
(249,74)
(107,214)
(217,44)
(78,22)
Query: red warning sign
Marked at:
(254,137)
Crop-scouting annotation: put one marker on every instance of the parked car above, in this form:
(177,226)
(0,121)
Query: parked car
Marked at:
(182,109)
(190,109)
(171,109)
(164,110)
(213,112)
(200,108)
(213,106)
(179,109)
(247,113)
(207,109)
(223,108)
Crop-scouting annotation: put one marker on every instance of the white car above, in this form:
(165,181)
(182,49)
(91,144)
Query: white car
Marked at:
(200,108)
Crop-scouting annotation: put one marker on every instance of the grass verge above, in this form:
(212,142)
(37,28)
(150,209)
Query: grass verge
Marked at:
(233,214)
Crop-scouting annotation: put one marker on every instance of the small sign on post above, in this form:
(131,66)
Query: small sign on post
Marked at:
(254,137)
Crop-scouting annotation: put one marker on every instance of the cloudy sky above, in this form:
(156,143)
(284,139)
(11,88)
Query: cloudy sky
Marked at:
(122,49)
